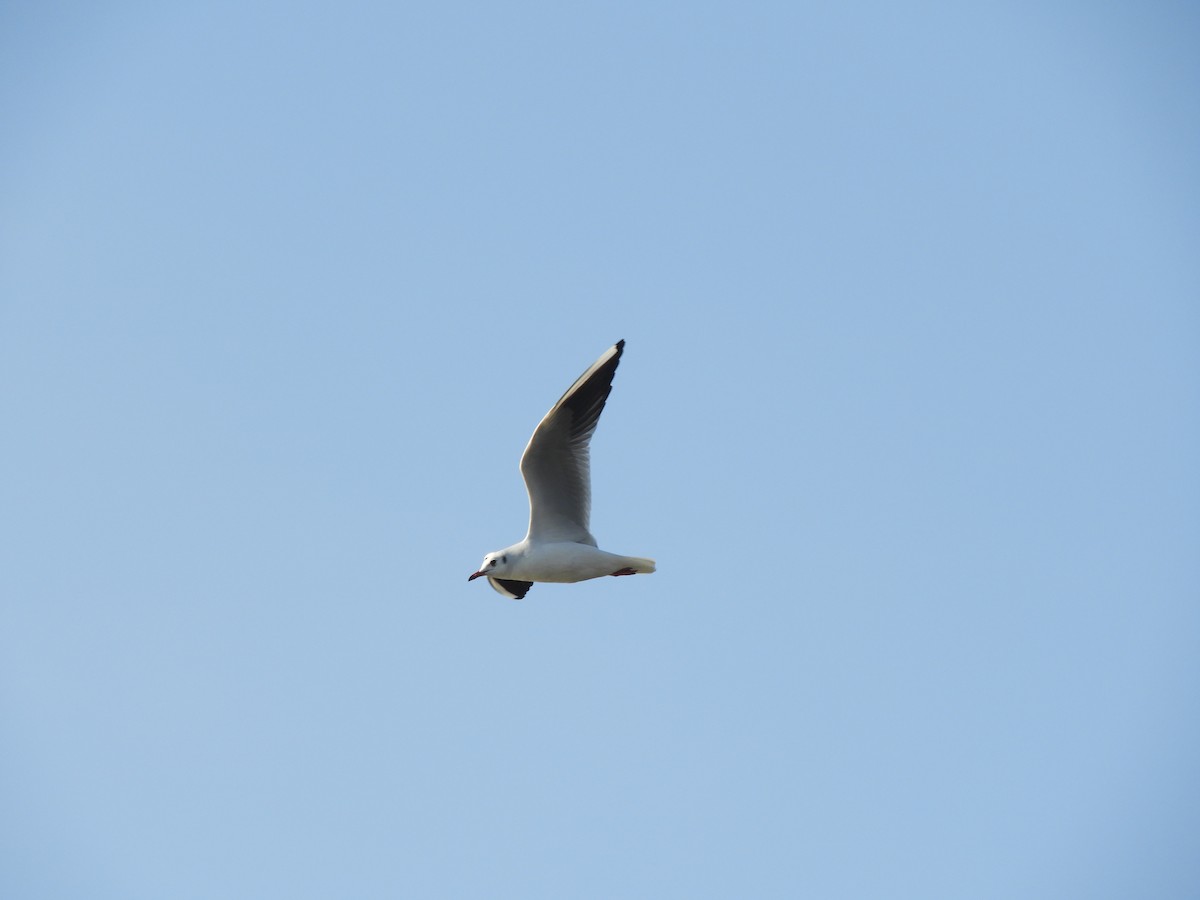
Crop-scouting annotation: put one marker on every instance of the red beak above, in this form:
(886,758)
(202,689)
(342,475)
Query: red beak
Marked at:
(472,577)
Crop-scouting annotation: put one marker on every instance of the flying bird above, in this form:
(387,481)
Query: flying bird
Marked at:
(557,472)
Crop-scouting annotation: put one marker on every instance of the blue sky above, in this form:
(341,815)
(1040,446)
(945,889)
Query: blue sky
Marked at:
(908,417)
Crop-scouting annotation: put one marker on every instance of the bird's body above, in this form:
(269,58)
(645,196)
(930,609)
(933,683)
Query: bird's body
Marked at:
(558,546)
(567,561)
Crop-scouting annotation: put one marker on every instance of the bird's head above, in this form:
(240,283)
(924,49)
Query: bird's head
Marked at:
(494,564)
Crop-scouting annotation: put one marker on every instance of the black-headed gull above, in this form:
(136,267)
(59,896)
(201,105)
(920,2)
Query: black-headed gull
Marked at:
(557,472)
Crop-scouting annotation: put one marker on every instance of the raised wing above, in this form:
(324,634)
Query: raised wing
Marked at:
(556,464)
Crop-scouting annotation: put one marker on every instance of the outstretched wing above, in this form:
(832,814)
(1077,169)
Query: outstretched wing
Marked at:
(556,464)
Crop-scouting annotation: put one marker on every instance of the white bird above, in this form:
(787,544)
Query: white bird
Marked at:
(557,471)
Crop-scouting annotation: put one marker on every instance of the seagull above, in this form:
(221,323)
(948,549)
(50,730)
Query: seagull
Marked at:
(557,473)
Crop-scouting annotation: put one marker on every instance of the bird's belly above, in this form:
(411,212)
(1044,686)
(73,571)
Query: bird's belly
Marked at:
(566,562)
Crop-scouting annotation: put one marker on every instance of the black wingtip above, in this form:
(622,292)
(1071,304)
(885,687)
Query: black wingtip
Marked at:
(518,589)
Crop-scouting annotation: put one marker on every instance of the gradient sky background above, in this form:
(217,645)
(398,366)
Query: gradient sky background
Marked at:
(909,416)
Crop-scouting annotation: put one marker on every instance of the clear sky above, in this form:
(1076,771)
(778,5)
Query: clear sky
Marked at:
(909,416)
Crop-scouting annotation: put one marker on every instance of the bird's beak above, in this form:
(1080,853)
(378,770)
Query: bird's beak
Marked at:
(473,576)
